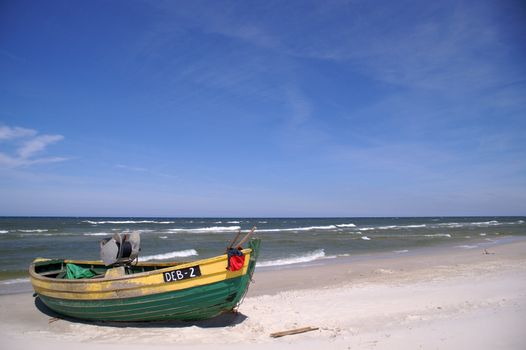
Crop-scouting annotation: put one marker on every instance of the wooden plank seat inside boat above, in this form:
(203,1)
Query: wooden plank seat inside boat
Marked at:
(57,268)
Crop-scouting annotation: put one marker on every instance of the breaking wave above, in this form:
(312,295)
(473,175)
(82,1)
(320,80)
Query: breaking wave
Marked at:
(14,281)
(451,225)
(307,228)
(484,223)
(466,246)
(346,225)
(315,255)
(479,223)
(170,255)
(111,234)
(206,229)
(31,231)
(128,222)
(391,227)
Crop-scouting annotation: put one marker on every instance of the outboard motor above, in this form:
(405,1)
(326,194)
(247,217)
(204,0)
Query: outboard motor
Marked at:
(120,249)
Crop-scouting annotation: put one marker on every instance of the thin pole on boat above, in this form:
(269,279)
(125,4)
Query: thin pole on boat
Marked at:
(235,239)
(247,236)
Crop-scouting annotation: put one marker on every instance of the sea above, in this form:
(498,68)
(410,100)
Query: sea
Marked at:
(286,242)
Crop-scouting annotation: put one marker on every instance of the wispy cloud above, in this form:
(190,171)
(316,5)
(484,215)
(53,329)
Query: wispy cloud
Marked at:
(26,145)
(137,169)
(131,168)
(37,144)
(7,133)
(301,128)
(447,46)
(230,56)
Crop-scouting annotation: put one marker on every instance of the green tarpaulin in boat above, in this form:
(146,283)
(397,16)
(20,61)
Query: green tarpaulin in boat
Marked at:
(75,272)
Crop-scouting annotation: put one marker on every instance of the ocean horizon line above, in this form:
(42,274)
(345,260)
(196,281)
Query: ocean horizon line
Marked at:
(264,217)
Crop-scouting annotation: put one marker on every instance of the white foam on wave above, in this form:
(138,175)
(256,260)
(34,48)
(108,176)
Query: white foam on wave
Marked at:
(346,225)
(365,238)
(439,235)
(44,234)
(466,246)
(486,223)
(451,224)
(233,222)
(306,228)
(4,231)
(391,227)
(163,237)
(315,255)
(401,251)
(32,231)
(482,234)
(262,222)
(111,234)
(520,222)
(129,222)
(475,223)
(170,255)
(97,234)
(37,234)
(206,229)
(14,281)
(354,232)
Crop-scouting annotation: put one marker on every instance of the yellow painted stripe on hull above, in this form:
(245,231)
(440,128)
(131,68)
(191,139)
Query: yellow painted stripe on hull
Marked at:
(147,283)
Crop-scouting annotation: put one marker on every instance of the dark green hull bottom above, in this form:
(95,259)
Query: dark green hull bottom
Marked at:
(195,303)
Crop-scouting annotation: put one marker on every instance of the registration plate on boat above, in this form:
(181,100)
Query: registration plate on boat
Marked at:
(182,274)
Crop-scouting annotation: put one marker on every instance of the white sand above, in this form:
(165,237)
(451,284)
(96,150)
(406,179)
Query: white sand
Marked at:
(457,299)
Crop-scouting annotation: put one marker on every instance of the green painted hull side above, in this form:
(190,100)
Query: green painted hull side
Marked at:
(189,304)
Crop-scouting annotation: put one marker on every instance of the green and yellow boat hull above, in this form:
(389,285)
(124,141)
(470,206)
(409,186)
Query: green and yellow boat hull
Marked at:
(148,292)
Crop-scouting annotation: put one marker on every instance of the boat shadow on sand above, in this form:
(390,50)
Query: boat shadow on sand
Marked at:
(224,320)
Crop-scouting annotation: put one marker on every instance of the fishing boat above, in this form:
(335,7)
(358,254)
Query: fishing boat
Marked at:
(145,291)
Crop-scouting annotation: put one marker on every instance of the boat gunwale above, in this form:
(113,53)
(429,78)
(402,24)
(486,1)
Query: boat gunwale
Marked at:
(169,266)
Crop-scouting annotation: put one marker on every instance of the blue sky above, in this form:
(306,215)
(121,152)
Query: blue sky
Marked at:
(262,108)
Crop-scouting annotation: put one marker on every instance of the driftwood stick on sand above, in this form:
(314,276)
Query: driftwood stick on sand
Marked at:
(293,331)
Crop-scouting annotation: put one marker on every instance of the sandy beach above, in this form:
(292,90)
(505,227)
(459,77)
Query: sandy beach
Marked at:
(443,298)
